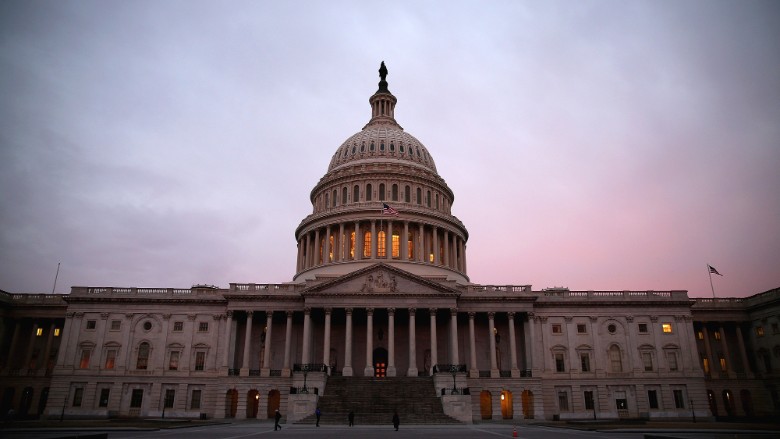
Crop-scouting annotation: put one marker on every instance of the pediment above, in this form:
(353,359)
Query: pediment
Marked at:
(381,279)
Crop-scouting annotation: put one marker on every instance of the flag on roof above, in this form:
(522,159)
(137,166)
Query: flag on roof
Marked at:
(713,270)
(387,210)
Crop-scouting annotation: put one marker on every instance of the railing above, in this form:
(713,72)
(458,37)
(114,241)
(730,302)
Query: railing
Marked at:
(505,373)
(275,372)
(309,367)
(484,374)
(254,372)
(455,391)
(525,373)
(304,390)
(234,372)
(265,288)
(449,368)
(132,291)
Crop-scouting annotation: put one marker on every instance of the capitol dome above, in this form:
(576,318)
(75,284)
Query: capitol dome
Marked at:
(382,200)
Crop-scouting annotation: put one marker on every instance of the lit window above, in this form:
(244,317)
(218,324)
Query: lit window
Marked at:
(203,327)
(430,257)
(700,335)
(667,328)
(39,332)
(396,246)
(173,362)
(717,335)
(331,241)
(705,364)
(556,328)
(410,249)
(110,359)
(56,332)
(85,355)
(381,244)
(723,364)
(367,245)
(760,331)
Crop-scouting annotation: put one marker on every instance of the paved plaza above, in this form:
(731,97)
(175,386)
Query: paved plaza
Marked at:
(489,430)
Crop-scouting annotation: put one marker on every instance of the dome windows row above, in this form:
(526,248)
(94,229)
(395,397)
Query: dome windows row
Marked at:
(410,151)
(394,192)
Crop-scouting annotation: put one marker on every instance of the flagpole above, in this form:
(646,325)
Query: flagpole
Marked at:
(55,278)
(710,274)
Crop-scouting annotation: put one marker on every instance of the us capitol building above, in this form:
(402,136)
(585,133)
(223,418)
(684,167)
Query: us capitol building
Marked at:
(381,307)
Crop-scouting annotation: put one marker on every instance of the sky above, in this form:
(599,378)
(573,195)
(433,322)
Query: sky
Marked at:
(594,145)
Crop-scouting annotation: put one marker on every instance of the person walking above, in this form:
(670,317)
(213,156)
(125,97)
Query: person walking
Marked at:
(318,413)
(277,418)
(351,418)
(396,420)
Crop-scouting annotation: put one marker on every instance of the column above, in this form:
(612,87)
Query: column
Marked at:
(369,369)
(63,349)
(307,252)
(513,345)
(434,350)
(269,320)
(326,343)
(247,344)
(435,243)
(492,338)
(463,253)
(326,255)
(412,372)
(228,330)
(454,357)
(347,370)
(306,354)
(287,342)
(707,349)
(420,245)
(473,372)
(300,255)
(389,240)
(373,239)
(391,372)
(446,261)
(742,351)
(47,349)
(28,354)
(405,242)
(340,245)
(358,250)
(725,347)
(317,248)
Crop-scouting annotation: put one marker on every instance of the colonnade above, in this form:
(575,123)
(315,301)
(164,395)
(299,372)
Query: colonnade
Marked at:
(368,370)
(400,240)
(22,348)
(724,353)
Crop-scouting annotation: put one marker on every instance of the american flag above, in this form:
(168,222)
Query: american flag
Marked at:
(713,270)
(387,210)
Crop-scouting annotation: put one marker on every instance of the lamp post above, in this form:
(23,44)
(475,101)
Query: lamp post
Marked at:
(305,369)
(693,413)
(454,372)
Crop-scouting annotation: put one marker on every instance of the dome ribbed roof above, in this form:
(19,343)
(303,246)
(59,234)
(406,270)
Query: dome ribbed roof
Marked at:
(382,141)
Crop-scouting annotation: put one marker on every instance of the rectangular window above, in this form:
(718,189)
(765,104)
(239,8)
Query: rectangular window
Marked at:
(91,324)
(556,328)
(381,244)
(78,395)
(585,362)
(563,401)
(581,328)
(759,331)
(178,326)
(679,401)
(203,327)
(173,362)
(647,361)
(169,396)
(652,397)
(103,401)
(396,246)
(116,325)
(39,332)
(84,362)
(700,335)
(110,359)
(589,403)
(195,400)
(666,327)
(716,335)
(410,250)
(136,398)
(56,332)
(559,363)
(705,364)
(642,328)
(200,360)
(723,364)
(671,358)
(366,245)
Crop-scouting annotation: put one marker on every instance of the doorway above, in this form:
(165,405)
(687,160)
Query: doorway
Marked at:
(380,362)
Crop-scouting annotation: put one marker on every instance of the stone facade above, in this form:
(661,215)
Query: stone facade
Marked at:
(381,289)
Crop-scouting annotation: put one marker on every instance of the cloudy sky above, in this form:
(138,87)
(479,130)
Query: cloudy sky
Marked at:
(594,145)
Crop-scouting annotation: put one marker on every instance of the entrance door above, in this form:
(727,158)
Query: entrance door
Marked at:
(274,398)
(380,362)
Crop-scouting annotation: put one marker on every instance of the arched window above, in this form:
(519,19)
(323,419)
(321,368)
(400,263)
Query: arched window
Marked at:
(407,194)
(392,147)
(356,194)
(419,196)
(354,150)
(344,195)
(396,246)
(381,192)
(331,240)
(367,245)
(437,201)
(363,147)
(401,148)
(333,200)
(381,244)
(382,146)
(615,358)
(371,148)
(411,151)
(327,199)
(395,192)
(368,192)
(352,245)
(143,356)
(410,247)
(428,199)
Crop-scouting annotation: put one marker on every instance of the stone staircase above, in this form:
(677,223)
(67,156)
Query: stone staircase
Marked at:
(375,399)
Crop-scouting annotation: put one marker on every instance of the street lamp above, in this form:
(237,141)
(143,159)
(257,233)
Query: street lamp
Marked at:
(305,369)
(454,372)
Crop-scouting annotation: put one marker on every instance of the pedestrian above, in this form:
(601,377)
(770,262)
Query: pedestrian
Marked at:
(277,418)
(318,413)
(351,418)
(396,420)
